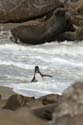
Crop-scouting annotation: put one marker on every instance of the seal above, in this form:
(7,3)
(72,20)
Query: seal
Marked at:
(45,31)
(76,36)
(38,76)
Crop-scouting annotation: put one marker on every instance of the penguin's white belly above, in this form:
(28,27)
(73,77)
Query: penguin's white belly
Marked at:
(39,77)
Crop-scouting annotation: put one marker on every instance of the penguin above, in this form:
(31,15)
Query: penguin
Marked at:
(38,76)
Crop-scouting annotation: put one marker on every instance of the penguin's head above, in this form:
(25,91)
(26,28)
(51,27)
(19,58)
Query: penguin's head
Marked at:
(37,69)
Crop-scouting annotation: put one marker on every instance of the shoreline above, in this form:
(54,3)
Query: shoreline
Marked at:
(46,110)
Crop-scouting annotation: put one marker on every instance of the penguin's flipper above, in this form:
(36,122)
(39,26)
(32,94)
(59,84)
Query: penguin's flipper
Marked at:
(33,79)
(46,75)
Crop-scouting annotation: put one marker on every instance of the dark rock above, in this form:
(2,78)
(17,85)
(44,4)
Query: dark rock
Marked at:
(80,10)
(45,112)
(23,10)
(0,96)
(16,101)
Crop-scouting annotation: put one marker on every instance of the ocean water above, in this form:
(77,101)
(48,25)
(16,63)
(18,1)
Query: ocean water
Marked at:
(64,61)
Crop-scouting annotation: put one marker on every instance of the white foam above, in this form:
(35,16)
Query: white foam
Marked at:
(62,60)
(38,88)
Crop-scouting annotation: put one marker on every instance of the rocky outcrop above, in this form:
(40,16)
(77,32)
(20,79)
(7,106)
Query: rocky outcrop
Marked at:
(16,101)
(44,107)
(77,20)
(51,99)
(70,109)
(24,10)
(66,109)
(75,10)
(22,116)
(45,112)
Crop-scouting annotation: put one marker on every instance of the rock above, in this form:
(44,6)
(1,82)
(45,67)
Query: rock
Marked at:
(45,112)
(77,20)
(44,31)
(73,5)
(23,10)
(6,92)
(78,6)
(68,120)
(15,101)
(70,109)
(0,97)
(44,101)
(22,116)
(75,10)
(37,114)
(44,107)
(74,92)
(51,99)
(80,10)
